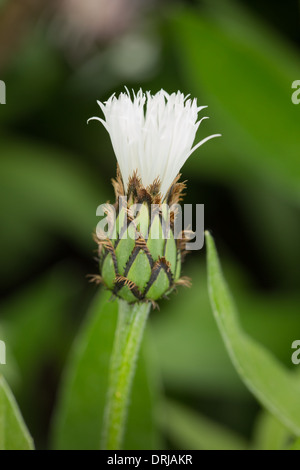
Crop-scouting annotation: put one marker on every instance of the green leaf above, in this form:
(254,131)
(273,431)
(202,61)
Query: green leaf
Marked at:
(141,430)
(275,387)
(37,327)
(190,430)
(84,382)
(244,72)
(13,432)
(34,74)
(28,172)
(79,414)
(295,445)
(271,318)
(58,196)
(35,323)
(262,205)
(270,433)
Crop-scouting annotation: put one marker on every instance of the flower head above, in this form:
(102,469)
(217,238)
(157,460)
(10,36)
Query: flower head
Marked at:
(152,135)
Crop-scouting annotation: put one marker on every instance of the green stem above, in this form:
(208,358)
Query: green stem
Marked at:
(128,337)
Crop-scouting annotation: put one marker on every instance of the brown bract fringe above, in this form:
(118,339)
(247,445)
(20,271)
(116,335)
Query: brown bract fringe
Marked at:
(137,193)
(118,184)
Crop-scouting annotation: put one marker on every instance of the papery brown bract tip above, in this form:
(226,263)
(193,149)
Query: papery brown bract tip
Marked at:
(118,185)
(95,278)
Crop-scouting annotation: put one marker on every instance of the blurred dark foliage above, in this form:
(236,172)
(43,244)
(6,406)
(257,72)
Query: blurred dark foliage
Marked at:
(57,59)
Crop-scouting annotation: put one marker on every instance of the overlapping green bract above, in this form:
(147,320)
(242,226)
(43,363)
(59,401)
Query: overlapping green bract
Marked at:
(143,260)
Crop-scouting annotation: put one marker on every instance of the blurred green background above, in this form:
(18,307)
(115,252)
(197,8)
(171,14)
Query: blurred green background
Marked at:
(57,58)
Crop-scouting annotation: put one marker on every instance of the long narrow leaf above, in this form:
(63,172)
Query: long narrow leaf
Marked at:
(275,387)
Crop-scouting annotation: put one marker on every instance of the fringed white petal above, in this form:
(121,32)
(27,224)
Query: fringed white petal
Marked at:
(152,134)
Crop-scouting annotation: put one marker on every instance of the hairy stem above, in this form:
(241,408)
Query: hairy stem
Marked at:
(128,337)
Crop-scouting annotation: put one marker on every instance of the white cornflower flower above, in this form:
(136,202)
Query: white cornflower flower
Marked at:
(152,134)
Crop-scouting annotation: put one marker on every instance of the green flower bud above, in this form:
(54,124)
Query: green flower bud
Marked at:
(142,261)
(152,136)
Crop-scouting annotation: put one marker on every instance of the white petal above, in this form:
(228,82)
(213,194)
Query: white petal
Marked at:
(152,134)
